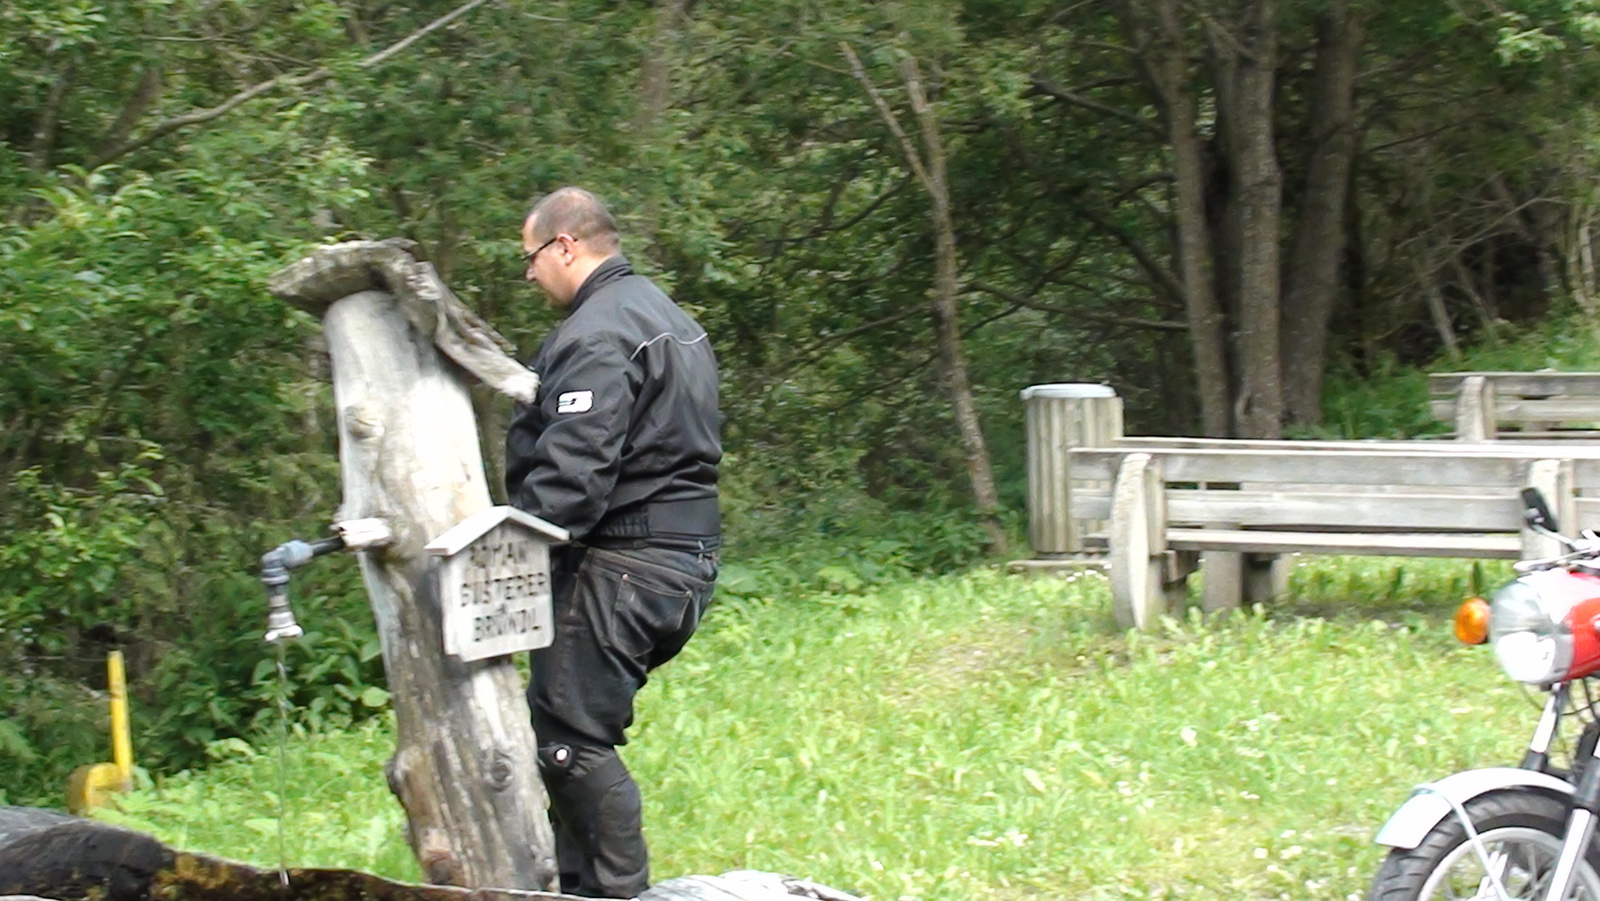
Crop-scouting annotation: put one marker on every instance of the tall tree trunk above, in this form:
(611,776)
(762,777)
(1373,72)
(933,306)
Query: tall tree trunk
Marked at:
(947,316)
(1437,311)
(1313,272)
(1486,312)
(1247,59)
(1166,68)
(1587,288)
(931,169)
(1546,217)
(655,98)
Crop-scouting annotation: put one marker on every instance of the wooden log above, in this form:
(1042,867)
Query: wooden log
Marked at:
(465,768)
(50,857)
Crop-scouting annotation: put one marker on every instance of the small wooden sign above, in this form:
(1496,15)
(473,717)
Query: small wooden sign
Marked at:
(494,582)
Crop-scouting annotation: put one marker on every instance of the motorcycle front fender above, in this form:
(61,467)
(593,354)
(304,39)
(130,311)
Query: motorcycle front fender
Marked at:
(1431,803)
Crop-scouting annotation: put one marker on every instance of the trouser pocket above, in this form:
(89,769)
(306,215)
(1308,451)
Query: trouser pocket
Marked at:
(657,601)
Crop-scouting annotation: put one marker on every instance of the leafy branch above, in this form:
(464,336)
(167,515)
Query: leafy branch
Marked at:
(305,79)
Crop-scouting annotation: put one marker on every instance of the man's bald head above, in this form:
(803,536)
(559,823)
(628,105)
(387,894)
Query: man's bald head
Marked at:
(576,212)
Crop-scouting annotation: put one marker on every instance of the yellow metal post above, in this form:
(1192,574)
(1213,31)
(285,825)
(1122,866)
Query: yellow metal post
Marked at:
(93,784)
(121,737)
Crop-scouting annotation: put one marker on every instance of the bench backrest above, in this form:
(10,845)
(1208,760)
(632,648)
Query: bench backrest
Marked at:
(1448,489)
(1527,398)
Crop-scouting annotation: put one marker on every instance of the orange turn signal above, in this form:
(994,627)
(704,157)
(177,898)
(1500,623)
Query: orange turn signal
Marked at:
(1472,621)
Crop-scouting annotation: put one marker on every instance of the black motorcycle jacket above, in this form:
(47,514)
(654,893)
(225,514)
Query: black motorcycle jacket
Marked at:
(622,441)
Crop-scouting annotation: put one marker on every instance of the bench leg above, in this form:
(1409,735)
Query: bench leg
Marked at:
(1224,581)
(1175,579)
(1266,577)
(1234,580)
(1475,410)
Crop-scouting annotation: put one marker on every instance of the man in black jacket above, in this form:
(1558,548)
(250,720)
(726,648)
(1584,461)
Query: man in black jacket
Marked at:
(621,448)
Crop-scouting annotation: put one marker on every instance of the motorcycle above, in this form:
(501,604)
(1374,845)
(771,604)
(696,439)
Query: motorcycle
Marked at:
(1522,833)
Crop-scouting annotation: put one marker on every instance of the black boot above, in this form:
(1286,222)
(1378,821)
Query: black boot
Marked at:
(595,802)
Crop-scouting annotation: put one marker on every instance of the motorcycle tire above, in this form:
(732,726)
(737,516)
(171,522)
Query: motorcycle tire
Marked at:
(1526,826)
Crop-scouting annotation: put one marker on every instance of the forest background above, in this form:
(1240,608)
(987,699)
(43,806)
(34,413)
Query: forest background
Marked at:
(891,216)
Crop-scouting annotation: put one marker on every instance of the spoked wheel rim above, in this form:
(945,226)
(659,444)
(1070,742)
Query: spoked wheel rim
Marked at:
(1525,859)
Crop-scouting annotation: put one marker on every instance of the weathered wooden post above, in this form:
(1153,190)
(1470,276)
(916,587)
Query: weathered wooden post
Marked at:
(465,768)
(1059,418)
(1146,579)
(1475,410)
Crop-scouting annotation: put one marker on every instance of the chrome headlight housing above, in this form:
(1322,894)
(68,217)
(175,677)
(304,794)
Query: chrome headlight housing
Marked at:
(1530,635)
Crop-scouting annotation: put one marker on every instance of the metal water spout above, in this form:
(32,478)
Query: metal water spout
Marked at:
(354,535)
(275,566)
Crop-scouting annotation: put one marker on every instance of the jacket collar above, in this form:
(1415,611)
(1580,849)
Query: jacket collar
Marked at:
(607,272)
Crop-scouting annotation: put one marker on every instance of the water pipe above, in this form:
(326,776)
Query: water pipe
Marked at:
(354,535)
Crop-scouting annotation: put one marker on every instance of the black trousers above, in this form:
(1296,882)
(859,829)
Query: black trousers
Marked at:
(619,613)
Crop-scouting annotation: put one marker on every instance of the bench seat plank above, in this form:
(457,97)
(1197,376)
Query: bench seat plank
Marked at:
(1397,509)
(1431,544)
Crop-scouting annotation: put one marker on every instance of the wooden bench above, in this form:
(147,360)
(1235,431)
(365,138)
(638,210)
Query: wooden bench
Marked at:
(1168,504)
(1539,404)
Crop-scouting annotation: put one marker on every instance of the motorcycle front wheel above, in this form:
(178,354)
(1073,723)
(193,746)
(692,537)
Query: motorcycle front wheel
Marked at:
(1521,833)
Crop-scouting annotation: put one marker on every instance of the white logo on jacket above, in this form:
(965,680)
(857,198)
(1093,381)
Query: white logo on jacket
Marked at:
(575,402)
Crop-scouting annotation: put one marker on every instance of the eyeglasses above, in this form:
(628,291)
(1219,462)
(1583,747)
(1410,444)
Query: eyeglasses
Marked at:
(527,258)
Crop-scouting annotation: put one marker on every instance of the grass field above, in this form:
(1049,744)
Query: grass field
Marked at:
(987,737)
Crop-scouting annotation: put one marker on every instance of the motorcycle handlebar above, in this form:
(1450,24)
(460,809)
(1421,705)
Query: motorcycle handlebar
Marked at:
(1590,549)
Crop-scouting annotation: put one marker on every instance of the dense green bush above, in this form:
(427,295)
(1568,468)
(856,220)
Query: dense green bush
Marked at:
(155,407)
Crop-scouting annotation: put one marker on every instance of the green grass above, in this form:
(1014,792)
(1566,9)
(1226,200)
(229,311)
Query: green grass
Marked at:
(989,737)
(338,809)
